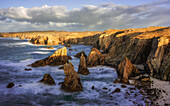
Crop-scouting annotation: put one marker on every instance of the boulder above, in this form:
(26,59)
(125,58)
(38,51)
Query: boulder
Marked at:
(82,66)
(95,58)
(79,54)
(72,81)
(47,79)
(126,69)
(58,58)
(10,85)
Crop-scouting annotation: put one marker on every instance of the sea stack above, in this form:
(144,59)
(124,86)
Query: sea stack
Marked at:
(83,66)
(72,81)
(126,69)
(58,58)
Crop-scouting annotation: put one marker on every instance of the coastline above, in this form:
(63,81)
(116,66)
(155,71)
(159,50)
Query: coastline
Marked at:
(104,43)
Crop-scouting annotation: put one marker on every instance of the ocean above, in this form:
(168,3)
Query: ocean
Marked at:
(16,54)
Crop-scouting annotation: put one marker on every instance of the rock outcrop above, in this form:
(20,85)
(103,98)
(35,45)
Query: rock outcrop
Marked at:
(72,81)
(82,66)
(78,55)
(47,79)
(126,69)
(58,58)
(95,58)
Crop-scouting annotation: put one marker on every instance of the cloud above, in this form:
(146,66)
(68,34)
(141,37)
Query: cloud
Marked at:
(89,17)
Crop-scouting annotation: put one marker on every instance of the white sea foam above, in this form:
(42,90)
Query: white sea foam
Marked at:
(38,52)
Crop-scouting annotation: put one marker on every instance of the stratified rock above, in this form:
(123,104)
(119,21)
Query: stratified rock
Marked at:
(126,69)
(58,58)
(158,63)
(10,85)
(49,48)
(72,81)
(95,58)
(47,79)
(82,66)
(79,54)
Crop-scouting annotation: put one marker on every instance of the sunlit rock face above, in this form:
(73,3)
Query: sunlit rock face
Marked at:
(126,70)
(82,66)
(58,58)
(143,46)
(72,81)
(95,58)
(158,63)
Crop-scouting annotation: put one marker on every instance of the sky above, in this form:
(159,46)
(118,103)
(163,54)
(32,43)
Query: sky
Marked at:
(82,15)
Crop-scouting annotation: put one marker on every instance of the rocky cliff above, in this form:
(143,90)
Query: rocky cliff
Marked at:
(144,46)
(148,47)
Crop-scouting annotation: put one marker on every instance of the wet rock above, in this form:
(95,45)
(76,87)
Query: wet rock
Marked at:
(78,55)
(20,85)
(104,88)
(82,66)
(70,49)
(58,58)
(47,79)
(95,58)
(126,70)
(28,69)
(61,67)
(123,86)
(117,90)
(72,81)
(49,48)
(92,87)
(10,85)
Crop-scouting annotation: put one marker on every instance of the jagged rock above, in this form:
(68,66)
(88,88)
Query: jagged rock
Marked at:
(95,58)
(49,48)
(82,66)
(47,79)
(79,54)
(72,81)
(58,58)
(10,85)
(126,69)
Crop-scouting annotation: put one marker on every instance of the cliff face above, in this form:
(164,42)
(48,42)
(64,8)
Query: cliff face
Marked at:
(147,46)
(51,37)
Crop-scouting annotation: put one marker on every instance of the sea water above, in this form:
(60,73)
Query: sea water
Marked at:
(16,54)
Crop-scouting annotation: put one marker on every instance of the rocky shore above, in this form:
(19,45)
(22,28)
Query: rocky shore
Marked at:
(133,52)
